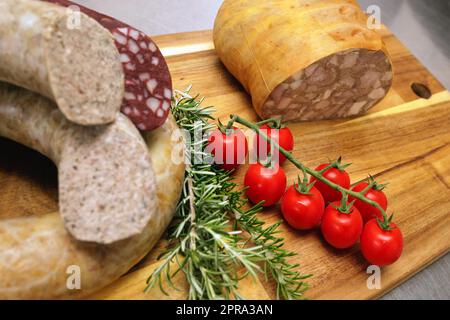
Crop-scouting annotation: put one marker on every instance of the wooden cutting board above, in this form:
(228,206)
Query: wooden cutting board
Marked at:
(405,141)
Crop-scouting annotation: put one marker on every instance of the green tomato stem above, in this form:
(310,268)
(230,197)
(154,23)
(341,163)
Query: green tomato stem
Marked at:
(274,122)
(231,122)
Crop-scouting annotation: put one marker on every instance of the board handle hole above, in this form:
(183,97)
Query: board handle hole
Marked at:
(421,90)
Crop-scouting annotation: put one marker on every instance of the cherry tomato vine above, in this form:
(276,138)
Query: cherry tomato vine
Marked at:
(385,223)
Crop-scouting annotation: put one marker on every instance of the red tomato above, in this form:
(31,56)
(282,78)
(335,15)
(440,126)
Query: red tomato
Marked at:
(367,211)
(339,177)
(381,247)
(282,136)
(265,184)
(229,150)
(341,230)
(302,211)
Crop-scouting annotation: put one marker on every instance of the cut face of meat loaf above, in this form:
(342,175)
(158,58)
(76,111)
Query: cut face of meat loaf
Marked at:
(341,85)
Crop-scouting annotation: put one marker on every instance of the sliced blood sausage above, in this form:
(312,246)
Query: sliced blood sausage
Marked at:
(148,84)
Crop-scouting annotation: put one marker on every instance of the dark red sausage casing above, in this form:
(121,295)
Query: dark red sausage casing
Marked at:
(148,84)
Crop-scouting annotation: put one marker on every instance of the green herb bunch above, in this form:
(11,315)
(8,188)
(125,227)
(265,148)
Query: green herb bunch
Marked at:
(215,239)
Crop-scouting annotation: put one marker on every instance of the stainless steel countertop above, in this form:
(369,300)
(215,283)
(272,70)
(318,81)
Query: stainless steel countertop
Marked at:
(422,25)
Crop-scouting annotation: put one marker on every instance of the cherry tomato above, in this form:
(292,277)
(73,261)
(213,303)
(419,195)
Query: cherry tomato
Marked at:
(367,211)
(302,211)
(229,150)
(381,247)
(338,176)
(341,230)
(265,184)
(282,136)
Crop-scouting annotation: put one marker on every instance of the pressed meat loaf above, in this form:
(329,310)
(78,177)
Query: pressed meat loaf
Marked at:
(303,59)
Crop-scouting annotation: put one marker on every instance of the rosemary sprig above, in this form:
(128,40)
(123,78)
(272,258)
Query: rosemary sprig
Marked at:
(215,240)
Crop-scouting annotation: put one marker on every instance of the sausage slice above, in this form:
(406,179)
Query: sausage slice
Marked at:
(71,60)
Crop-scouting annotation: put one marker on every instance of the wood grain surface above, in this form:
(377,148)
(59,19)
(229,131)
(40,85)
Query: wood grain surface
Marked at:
(404,140)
